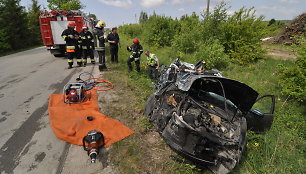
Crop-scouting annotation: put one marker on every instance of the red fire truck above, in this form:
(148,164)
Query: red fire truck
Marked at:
(53,23)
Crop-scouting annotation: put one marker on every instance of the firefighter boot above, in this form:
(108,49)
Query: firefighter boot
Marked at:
(70,65)
(101,67)
(137,62)
(129,63)
(84,62)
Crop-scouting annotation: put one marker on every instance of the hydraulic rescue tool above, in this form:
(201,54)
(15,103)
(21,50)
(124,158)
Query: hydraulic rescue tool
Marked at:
(92,142)
(77,92)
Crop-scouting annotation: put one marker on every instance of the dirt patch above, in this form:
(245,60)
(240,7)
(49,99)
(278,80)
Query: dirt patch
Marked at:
(278,52)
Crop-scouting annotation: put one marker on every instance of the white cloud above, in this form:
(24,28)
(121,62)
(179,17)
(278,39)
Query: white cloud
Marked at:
(204,8)
(178,2)
(278,9)
(117,3)
(152,3)
(230,12)
(289,1)
(181,10)
(277,12)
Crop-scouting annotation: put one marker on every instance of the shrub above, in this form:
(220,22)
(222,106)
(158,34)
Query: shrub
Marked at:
(213,53)
(187,38)
(293,79)
(159,31)
(131,30)
(241,36)
(4,45)
(211,26)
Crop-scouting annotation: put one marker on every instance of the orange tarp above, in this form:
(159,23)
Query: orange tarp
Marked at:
(69,121)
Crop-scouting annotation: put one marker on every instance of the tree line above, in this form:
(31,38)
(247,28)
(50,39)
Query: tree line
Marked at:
(19,27)
(219,39)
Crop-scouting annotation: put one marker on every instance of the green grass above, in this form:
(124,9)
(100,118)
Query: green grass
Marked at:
(280,150)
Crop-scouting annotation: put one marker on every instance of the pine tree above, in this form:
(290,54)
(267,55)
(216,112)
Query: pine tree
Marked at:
(14,24)
(33,22)
(4,45)
(143,18)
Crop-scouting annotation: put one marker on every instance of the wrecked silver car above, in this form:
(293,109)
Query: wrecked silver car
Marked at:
(204,117)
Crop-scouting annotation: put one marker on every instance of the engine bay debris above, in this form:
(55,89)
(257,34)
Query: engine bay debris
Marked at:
(204,117)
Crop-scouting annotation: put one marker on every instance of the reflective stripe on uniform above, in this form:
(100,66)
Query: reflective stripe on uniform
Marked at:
(84,60)
(64,37)
(79,60)
(70,47)
(151,60)
(98,43)
(70,51)
(69,60)
(100,48)
(84,47)
(83,37)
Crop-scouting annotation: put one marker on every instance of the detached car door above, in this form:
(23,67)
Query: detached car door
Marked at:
(260,117)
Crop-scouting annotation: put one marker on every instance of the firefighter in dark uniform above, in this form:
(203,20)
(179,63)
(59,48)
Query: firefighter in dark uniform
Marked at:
(87,44)
(153,65)
(72,46)
(136,51)
(99,42)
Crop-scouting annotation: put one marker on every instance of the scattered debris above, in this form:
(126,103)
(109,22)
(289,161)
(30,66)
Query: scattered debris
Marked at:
(266,39)
(204,117)
(296,27)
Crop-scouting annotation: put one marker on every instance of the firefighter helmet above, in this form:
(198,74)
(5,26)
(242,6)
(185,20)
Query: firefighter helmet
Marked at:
(71,24)
(85,27)
(135,41)
(101,24)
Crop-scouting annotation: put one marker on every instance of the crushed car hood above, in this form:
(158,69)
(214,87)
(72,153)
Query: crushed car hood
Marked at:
(239,93)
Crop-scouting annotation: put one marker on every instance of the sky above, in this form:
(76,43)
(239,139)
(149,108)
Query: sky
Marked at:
(119,12)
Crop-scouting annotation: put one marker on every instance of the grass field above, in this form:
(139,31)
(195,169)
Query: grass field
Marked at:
(281,150)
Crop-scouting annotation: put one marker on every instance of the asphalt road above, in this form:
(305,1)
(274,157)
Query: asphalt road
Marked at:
(27,142)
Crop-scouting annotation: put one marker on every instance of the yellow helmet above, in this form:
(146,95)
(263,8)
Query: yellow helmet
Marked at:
(101,24)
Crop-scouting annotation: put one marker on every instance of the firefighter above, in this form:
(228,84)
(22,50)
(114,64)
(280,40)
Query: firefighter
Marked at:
(87,43)
(153,65)
(99,43)
(136,51)
(72,37)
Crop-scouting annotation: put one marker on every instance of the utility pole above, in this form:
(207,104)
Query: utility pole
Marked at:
(207,10)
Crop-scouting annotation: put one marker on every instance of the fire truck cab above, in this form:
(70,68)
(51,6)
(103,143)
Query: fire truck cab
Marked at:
(53,23)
